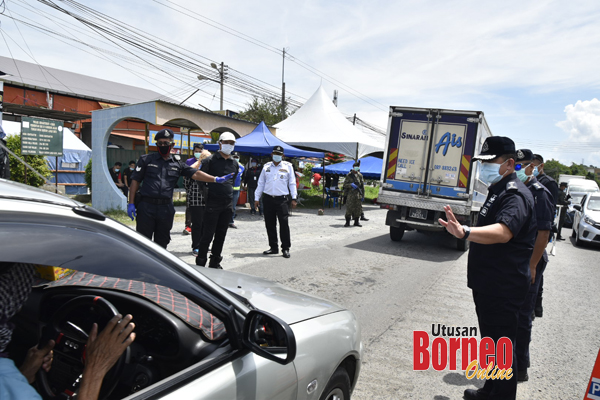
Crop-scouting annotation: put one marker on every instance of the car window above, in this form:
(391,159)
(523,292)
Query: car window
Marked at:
(583,187)
(594,204)
(577,198)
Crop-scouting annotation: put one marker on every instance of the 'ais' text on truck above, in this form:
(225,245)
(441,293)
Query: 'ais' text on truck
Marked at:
(427,165)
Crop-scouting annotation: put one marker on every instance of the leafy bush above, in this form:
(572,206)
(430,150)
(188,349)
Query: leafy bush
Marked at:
(17,169)
(307,169)
(88,174)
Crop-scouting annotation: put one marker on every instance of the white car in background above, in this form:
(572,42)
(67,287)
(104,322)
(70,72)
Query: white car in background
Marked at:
(586,221)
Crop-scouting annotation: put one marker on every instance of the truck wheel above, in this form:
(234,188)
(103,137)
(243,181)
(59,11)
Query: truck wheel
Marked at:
(397,233)
(462,245)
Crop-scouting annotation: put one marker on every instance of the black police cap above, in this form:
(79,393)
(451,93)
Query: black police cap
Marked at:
(278,149)
(495,146)
(164,134)
(234,154)
(524,155)
(539,158)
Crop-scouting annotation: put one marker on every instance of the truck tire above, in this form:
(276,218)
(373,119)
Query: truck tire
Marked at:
(462,245)
(397,233)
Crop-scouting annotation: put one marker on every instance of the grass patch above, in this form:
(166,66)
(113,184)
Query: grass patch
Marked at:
(313,197)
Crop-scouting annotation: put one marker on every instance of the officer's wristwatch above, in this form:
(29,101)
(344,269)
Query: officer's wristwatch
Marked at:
(467,230)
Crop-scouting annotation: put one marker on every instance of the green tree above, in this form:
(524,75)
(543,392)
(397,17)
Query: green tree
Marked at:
(267,109)
(554,168)
(88,174)
(17,169)
(577,169)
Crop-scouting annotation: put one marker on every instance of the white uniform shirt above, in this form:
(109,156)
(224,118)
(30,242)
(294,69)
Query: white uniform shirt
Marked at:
(276,180)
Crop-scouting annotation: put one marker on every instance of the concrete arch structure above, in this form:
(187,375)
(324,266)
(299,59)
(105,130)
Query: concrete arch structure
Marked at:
(105,195)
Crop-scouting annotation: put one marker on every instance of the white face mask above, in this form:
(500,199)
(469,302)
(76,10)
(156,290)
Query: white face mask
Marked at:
(490,173)
(276,158)
(227,148)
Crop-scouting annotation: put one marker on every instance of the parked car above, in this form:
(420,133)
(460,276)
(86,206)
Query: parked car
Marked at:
(201,333)
(586,222)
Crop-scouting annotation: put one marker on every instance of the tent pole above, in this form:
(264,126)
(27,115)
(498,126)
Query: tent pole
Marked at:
(56,176)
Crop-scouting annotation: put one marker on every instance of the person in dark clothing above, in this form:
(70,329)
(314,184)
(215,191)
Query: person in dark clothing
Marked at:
(564,200)
(547,181)
(544,210)
(196,201)
(118,178)
(4,160)
(498,266)
(552,186)
(217,215)
(250,179)
(127,173)
(159,172)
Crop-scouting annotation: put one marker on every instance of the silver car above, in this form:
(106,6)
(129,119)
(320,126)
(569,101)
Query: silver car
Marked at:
(201,334)
(586,221)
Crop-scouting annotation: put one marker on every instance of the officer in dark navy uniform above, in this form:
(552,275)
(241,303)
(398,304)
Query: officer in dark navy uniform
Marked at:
(159,173)
(544,212)
(501,249)
(552,186)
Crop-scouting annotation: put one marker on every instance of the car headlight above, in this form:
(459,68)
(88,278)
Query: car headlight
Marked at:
(588,220)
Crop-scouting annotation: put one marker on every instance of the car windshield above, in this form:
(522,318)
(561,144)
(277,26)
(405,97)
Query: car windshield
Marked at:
(594,204)
(576,198)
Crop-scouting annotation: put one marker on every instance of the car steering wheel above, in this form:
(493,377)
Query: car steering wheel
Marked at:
(69,350)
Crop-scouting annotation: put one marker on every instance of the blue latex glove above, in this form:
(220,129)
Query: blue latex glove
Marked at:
(363,199)
(354,186)
(221,179)
(131,211)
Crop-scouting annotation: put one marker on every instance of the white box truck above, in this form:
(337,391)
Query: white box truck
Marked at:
(427,165)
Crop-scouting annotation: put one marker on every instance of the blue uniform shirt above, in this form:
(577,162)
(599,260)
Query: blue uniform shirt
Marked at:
(159,175)
(502,269)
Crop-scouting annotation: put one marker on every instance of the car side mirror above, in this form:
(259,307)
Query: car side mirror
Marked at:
(577,207)
(269,337)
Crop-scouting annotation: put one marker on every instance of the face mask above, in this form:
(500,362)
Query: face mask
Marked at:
(117,169)
(522,176)
(253,164)
(535,171)
(227,148)
(277,158)
(357,169)
(132,168)
(164,150)
(197,155)
(489,173)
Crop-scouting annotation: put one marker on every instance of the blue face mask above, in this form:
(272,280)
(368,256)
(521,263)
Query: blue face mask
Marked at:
(535,171)
(522,176)
(489,173)
(276,158)
(117,169)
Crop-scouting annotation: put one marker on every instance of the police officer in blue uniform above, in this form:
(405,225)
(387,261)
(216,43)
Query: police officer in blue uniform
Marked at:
(500,253)
(277,183)
(159,173)
(544,212)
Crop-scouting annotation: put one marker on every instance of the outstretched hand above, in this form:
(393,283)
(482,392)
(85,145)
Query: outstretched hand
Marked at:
(222,179)
(452,225)
(104,349)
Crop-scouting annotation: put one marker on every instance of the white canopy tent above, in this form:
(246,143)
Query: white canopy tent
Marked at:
(318,124)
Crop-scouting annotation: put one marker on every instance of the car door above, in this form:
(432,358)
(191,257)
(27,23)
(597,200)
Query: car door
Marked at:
(578,214)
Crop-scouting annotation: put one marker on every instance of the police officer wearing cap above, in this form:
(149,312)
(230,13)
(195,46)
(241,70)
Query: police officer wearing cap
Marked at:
(277,182)
(218,212)
(159,173)
(544,212)
(500,254)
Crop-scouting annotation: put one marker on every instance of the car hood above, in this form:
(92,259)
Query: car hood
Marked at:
(289,305)
(595,215)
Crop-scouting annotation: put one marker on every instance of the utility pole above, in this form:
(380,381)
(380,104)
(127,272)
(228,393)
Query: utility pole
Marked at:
(221,78)
(283,86)
(335,97)
(354,119)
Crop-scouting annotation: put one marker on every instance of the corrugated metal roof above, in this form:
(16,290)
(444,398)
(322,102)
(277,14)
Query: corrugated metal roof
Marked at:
(71,83)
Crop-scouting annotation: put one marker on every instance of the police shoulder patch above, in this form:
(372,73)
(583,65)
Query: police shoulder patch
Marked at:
(511,186)
(176,157)
(538,186)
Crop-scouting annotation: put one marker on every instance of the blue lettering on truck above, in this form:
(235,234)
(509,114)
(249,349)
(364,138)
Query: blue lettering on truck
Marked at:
(448,140)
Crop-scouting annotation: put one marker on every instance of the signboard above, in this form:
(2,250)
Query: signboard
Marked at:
(413,139)
(42,137)
(447,154)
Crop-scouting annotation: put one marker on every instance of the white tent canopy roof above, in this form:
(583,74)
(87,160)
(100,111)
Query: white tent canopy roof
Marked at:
(318,124)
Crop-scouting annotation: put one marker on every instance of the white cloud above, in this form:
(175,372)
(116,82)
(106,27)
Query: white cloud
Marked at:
(582,124)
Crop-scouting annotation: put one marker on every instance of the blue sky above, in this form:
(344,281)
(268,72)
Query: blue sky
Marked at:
(530,66)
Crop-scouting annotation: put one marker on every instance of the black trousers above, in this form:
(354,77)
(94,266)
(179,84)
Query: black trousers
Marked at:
(216,222)
(525,322)
(155,220)
(196,222)
(499,317)
(277,208)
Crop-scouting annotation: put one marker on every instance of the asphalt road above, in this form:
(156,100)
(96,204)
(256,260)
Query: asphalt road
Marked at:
(397,288)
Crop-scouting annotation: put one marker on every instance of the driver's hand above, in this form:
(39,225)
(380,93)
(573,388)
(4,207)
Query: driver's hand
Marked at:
(104,349)
(37,358)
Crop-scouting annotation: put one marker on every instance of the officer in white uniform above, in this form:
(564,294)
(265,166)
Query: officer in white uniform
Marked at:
(277,182)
